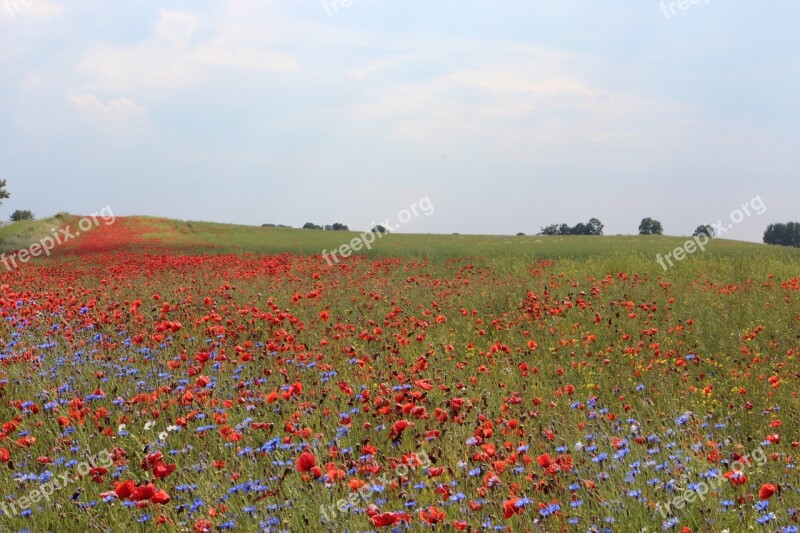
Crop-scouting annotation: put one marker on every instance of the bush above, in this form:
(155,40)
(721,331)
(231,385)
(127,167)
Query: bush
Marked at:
(19,216)
(787,234)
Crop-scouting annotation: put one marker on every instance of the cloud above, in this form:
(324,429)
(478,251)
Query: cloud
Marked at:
(178,55)
(121,118)
(365,71)
(524,102)
(16,10)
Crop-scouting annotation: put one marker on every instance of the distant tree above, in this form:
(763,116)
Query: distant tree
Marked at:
(593,227)
(311,225)
(552,229)
(597,226)
(787,234)
(704,229)
(379,229)
(18,215)
(581,229)
(650,227)
(520,234)
(4,194)
(338,226)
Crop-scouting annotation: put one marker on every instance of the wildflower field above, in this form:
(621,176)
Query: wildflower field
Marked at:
(160,375)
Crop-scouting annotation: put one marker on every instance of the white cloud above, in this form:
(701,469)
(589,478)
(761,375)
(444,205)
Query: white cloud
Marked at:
(18,10)
(177,56)
(121,118)
(374,67)
(529,103)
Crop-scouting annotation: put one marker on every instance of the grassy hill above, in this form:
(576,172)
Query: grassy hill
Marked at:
(615,252)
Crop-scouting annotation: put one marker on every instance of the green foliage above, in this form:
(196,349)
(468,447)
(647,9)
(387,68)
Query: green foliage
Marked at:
(593,227)
(704,229)
(650,226)
(4,194)
(19,215)
(787,234)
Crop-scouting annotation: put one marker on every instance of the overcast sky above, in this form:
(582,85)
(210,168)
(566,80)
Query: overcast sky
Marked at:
(508,115)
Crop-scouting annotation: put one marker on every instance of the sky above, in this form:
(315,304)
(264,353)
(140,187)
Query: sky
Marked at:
(504,115)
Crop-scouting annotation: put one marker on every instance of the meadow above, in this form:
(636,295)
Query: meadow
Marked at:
(190,376)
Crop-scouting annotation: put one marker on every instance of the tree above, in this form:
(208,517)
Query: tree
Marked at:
(379,229)
(311,225)
(593,227)
(552,229)
(581,229)
(18,216)
(704,229)
(4,194)
(787,234)
(338,226)
(650,227)
(597,226)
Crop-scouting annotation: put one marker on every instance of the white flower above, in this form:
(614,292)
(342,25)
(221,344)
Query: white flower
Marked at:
(121,428)
(173,428)
(149,425)
(578,446)
(162,435)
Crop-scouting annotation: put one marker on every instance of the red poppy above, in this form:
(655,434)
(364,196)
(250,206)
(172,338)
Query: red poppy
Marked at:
(143,492)
(162,469)
(125,489)
(767,490)
(306,462)
(160,497)
(432,515)
(509,509)
(384,519)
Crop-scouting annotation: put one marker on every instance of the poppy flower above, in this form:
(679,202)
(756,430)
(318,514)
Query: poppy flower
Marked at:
(124,489)
(143,492)
(432,515)
(398,428)
(510,508)
(435,471)
(306,462)
(767,490)
(384,519)
(162,470)
(160,497)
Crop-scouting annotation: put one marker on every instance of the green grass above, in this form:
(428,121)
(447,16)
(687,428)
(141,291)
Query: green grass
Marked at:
(21,235)
(220,238)
(694,307)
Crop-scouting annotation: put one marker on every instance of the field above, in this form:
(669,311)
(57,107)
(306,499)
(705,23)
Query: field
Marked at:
(188,376)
